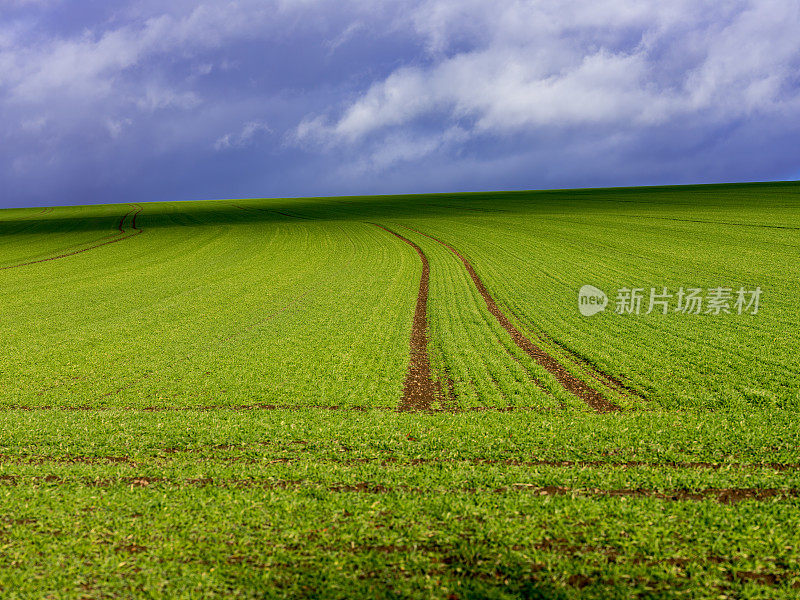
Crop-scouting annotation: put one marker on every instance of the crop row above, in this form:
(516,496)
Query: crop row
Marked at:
(253,541)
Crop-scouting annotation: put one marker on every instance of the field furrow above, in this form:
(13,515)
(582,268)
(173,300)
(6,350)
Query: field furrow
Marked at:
(398,397)
(591,396)
(420,389)
(720,495)
(254,454)
(119,236)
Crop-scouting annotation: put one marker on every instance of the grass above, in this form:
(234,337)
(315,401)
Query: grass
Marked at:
(209,408)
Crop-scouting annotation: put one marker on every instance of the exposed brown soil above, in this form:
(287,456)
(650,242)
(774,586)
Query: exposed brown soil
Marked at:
(370,488)
(18,520)
(536,381)
(420,391)
(592,397)
(756,577)
(132,548)
(565,547)
(591,369)
(542,462)
(445,558)
(389,460)
(592,463)
(722,495)
(579,581)
(249,407)
(118,237)
(67,460)
(641,463)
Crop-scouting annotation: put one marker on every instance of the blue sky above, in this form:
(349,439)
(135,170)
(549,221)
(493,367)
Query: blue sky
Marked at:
(120,101)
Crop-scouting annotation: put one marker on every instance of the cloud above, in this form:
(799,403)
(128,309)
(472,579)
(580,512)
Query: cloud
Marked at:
(513,67)
(243,138)
(345,36)
(146,99)
(156,97)
(404,148)
(92,64)
(115,127)
(34,125)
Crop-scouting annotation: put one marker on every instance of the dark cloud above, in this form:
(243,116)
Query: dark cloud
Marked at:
(134,101)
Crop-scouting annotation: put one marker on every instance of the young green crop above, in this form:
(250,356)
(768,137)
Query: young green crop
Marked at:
(201,399)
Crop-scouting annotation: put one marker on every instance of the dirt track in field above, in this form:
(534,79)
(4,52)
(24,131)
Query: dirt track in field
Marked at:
(267,407)
(420,391)
(121,227)
(221,453)
(721,495)
(572,384)
(593,371)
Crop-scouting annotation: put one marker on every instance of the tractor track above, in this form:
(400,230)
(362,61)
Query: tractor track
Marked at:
(587,366)
(721,495)
(534,379)
(133,213)
(420,390)
(568,381)
(267,407)
(220,453)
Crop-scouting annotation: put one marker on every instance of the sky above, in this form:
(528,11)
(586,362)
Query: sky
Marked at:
(144,100)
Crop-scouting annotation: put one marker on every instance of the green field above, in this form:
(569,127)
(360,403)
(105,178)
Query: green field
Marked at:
(397,396)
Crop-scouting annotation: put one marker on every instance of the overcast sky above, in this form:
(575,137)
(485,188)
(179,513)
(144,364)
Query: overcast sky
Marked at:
(117,101)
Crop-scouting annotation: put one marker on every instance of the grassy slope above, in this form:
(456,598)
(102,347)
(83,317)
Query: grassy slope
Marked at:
(228,304)
(534,263)
(221,311)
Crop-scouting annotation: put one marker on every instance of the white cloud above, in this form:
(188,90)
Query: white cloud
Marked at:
(116,126)
(243,138)
(156,97)
(33,125)
(80,67)
(90,66)
(204,68)
(459,92)
(345,36)
(510,66)
(402,147)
